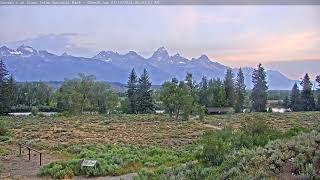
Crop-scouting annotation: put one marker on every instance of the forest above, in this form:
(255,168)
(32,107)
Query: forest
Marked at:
(179,98)
(128,138)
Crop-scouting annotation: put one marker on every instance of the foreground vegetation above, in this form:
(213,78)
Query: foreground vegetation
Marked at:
(211,156)
(116,160)
(297,157)
(159,147)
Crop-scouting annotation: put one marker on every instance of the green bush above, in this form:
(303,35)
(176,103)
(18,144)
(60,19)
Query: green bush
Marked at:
(301,150)
(254,125)
(34,111)
(189,170)
(254,132)
(4,138)
(115,160)
(3,129)
(216,145)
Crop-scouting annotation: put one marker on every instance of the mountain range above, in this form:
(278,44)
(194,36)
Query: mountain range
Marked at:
(29,64)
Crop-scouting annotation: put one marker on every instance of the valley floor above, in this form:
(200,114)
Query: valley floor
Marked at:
(150,141)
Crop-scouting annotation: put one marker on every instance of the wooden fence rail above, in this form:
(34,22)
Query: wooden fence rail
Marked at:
(29,152)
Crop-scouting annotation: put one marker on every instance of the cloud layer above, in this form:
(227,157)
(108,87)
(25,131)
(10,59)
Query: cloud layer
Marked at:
(233,35)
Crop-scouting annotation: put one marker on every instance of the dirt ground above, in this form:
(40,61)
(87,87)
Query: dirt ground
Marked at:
(48,135)
(20,167)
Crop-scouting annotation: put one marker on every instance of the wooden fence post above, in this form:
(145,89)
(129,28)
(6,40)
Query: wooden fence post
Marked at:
(29,153)
(40,159)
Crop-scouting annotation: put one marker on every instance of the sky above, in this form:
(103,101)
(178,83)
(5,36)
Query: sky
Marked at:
(236,36)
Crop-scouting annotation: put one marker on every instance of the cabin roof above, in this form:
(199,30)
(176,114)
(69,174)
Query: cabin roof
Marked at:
(219,109)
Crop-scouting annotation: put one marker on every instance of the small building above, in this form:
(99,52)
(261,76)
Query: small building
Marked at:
(219,110)
(159,111)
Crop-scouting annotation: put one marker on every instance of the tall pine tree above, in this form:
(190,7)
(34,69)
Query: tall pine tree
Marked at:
(318,91)
(144,92)
(295,102)
(307,99)
(132,92)
(189,81)
(240,92)
(7,89)
(203,92)
(259,92)
(191,84)
(229,88)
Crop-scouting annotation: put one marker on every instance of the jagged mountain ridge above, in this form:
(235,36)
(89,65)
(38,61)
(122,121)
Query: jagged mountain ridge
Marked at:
(28,64)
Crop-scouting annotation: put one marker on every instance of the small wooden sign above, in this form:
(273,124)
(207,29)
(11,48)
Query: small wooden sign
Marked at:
(88,163)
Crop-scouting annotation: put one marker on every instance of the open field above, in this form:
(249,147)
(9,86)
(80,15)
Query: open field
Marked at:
(279,121)
(50,133)
(139,141)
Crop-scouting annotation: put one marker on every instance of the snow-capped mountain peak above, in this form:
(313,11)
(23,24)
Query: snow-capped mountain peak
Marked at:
(27,64)
(65,54)
(177,55)
(105,55)
(160,54)
(204,58)
(27,50)
(5,51)
(132,54)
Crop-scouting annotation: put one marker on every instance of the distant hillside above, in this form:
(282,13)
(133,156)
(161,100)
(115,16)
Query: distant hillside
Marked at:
(28,64)
(296,69)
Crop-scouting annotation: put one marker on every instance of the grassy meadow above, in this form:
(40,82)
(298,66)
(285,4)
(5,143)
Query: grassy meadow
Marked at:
(156,147)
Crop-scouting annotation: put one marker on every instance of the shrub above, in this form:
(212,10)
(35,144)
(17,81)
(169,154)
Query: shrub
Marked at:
(3,129)
(254,131)
(4,138)
(254,125)
(216,145)
(263,163)
(115,160)
(34,111)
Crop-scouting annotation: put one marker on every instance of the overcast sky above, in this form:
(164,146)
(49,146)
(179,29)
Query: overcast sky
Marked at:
(232,35)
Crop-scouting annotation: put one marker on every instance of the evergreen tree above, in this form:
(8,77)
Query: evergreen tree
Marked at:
(307,99)
(240,92)
(12,91)
(144,92)
(318,97)
(203,92)
(229,88)
(132,92)
(259,92)
(216,93)
(192,85)
(286,102)
(189,81)
(295,98)
(5,99)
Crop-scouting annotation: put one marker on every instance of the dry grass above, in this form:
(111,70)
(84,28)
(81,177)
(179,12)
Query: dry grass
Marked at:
(275,120)
(140,130)
(49,133)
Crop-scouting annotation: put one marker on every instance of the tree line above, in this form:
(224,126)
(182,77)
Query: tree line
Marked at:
(179,98)
(75,96)
(304,100)
(186,97)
